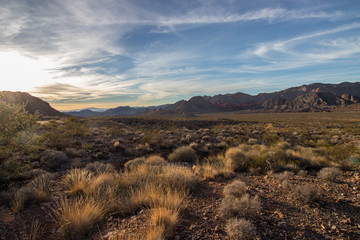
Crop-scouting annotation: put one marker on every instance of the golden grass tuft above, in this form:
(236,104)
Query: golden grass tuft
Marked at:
(77,217)
(77,180)
(163,222)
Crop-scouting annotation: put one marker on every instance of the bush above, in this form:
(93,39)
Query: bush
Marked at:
(236,189)
(240,229)
(246,206)
(99,167)
(184,154)
(54,160)
(133,164)
(304,193)
(18,135)
(237,157)
(329,173)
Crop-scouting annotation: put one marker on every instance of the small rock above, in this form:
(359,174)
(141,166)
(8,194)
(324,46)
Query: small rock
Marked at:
(35,164)
(324,227)
(177,237)
(333,227)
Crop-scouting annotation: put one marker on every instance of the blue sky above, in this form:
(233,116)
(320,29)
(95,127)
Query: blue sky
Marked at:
(77,54)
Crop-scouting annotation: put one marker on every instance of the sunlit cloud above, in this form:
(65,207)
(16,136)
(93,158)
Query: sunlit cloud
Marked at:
(140,53)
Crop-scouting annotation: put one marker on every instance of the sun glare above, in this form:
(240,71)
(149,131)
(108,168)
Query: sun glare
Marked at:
(22,73)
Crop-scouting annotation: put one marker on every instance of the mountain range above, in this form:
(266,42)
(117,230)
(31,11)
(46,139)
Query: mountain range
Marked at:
(314,97)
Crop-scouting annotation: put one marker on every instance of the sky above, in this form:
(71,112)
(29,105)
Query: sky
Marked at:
(77,53)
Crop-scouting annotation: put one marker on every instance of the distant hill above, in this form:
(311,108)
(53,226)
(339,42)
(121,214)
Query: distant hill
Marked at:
(32,104)
(314,97)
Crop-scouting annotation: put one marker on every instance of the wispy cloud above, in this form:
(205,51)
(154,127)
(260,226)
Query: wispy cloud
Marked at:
(165,50)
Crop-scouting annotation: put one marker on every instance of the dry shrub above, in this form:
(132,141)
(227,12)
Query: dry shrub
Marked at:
(99,167)
(77,180)
(240,229)
(235,189)
(77,217)
(237,157)
(245,206)
(330,174)
(54,160)
(33,232)
(304,193)
(156,160)
(184,154)
(284,176)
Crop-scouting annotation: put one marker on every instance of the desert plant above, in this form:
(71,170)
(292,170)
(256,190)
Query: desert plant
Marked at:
(155,160)
(237,157)
(77,180)
(132,164)
(245,206)
(235,189)
(240,229)
(53,159)
(41,186)
(163,220)
(99,167)
(22,197)
(329,173)
(76,217)
(184,154)
(304,193)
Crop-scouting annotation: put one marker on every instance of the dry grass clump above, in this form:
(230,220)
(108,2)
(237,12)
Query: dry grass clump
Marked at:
(240,229)
(162,222)
(150,196)
(38,190)
(41,186)
(330,174)
(76,217)
(179,178)
(304,193)
(183,154)
(133,164)
(21,197)
(101,183)
(307,157)
(216,166)
(99,167)
(77,180)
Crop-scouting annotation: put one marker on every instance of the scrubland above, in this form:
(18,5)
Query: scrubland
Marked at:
(231,176)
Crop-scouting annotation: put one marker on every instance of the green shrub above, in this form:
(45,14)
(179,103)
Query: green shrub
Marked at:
(18,135)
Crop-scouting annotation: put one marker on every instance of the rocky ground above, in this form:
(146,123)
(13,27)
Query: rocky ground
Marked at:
(333,214)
